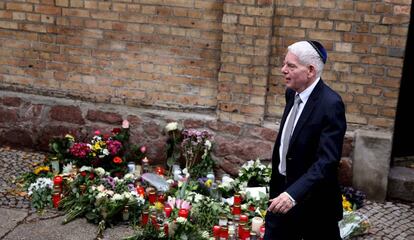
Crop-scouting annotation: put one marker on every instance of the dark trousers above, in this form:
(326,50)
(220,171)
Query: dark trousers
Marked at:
(305,221)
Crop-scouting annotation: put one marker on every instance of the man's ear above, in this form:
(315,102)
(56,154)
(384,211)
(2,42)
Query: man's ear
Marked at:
(311,71)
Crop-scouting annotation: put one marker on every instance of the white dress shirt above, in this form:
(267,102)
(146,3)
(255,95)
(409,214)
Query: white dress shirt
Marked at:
(304,96)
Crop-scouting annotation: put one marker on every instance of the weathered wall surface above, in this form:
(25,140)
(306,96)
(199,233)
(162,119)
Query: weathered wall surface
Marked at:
(31,121)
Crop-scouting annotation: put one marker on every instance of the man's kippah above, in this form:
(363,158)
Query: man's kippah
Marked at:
(320,50)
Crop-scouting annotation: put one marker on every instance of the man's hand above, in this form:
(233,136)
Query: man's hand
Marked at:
(280,204)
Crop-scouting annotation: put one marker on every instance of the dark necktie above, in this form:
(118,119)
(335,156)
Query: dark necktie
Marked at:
(288,132)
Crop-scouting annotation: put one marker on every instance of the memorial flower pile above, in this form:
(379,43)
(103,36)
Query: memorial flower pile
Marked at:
(108,181)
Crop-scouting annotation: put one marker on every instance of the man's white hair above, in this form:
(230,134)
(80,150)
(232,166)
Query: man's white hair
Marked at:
(307,55)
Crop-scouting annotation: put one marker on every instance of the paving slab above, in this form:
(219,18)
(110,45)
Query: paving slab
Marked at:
(9,219)
(52,229)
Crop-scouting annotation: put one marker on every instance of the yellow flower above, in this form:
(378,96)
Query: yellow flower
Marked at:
(158,205)
(97,146)
(208,183)
(347,206)
(41,169)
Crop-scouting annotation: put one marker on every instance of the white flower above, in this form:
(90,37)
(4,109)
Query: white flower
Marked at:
(67,168)
(100,188)
(172,126)
(100,195)
(127,195)
(105,152)
(117,197)
(181,220)
(207,144)
(205,235)
(97,138)
(85,168)
(40,184)
(109,192)
(129,176)
(100,171)
(125,124)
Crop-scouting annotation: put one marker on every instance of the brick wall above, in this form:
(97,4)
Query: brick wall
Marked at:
(365,42)
(220,57)
(140,53)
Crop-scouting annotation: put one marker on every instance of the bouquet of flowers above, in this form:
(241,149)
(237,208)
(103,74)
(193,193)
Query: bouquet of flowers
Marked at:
(109,151)
(254,174)
(192,146)
(41,193)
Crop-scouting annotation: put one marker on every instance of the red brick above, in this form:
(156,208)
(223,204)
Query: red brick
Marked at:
(47,9)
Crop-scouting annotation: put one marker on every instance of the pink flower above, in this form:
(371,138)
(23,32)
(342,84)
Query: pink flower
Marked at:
(186,205)
(97,132)
(143,149)
(125,124)
(178,203)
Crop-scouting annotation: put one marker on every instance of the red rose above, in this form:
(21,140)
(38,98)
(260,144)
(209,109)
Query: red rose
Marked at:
(117,160)
(83,173)
(91,176)
(116,130)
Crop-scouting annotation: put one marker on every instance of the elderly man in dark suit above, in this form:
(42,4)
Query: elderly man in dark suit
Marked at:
(305,199)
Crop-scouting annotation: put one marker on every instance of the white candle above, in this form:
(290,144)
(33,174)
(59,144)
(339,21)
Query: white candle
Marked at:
(257,222)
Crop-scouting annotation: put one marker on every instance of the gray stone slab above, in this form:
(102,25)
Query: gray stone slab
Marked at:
(52,229)
(371,163)
(9,218)
(118,232)
(401,183)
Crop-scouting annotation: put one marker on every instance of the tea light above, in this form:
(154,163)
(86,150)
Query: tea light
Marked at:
(262,231)
(244,218)
(237,199)
(152,196)
(141,191)
(57,180)
(236,210)
(183,213)
(257,223)
(216,231)
(160,171)
(167,210)
(223,221)
(145,218)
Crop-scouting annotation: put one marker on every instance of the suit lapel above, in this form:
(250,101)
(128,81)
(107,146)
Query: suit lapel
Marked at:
(307,110)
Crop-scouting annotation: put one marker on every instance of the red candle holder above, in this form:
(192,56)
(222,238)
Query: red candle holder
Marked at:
(244,218)
(183,213)
(262,232)
(167,210)
(216,231)
(56,199)
(236,210)
(237,199)
(159,170)
(224,232)
(57,180)
(141,191)
(145,217)
(152,196)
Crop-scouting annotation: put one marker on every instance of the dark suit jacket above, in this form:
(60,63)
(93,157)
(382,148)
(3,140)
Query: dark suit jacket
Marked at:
(314,152)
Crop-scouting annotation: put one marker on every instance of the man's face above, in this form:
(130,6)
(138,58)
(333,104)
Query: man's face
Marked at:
(297,75)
